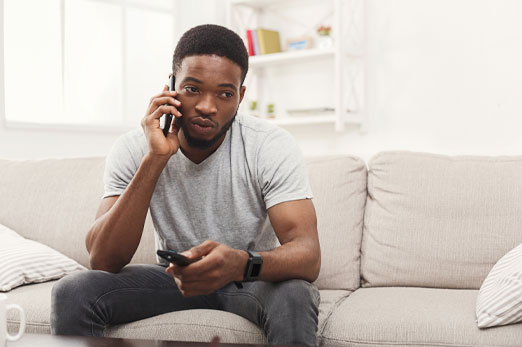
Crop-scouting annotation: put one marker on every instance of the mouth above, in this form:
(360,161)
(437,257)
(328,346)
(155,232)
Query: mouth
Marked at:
(203,122)
(202,126)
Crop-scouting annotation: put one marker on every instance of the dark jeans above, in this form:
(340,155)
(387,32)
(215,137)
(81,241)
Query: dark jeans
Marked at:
(84,302)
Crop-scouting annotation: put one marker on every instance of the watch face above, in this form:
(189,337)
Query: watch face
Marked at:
(256,269)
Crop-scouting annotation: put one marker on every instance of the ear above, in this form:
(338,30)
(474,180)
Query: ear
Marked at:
(242,93)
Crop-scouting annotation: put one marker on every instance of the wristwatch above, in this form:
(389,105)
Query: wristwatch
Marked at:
(253,267)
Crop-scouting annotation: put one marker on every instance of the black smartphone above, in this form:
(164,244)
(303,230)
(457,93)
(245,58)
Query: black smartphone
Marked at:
(168,117)
(175,257)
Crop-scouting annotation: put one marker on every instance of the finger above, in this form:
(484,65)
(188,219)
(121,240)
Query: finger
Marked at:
(175,111)
(178,282)
(173,132)
(191,289)
(200,250)
(201,270)
(169,268)
(176,270)
(165,92)
(195,288)
(161,110)
(152,120)
(184,287)
(166,99)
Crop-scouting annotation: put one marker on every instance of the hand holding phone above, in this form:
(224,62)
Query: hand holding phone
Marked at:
(161,105)
(175,257)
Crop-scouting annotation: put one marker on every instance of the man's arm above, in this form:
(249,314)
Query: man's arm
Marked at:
(298,257)
(116,233)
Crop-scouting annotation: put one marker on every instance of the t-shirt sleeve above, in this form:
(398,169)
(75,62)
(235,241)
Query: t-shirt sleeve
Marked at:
(121,164)
(281,170)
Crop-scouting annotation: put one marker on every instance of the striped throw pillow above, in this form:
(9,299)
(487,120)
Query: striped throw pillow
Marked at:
(24,261)
(500,297)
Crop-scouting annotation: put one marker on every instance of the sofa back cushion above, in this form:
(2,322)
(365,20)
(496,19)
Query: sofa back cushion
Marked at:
(439,221)
(339,187)
(54,202)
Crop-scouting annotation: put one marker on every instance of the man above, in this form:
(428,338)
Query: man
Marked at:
(221,188)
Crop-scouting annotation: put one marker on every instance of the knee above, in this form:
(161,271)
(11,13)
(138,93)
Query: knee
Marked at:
(295,300)
(293,313)
(296,294)
(69,297)
(69,289)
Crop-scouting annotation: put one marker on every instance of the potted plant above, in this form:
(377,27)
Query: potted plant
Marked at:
(270,110)
(324,39)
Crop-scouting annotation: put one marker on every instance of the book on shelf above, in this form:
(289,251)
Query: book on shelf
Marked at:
(263,41)
(250,43)
(268,41)
(255,42)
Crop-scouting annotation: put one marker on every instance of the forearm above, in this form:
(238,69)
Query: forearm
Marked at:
(115,236)
(219,265)
(297,259)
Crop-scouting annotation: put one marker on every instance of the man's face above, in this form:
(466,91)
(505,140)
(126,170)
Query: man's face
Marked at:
(210,93)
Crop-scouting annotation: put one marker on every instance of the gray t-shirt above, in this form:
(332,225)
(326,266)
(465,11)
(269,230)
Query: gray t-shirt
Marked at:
(225,198)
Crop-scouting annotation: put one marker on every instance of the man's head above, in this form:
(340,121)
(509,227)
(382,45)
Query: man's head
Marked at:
(210,64)
(210,39)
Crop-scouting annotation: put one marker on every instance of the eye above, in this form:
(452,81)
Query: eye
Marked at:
(191,89)
(227,94)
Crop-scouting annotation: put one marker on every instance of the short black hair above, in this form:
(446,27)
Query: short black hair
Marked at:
(210,39)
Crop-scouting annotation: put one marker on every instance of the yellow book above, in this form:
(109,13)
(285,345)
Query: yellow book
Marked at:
(268,41)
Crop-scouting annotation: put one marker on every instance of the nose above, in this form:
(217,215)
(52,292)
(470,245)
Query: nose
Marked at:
(206,105)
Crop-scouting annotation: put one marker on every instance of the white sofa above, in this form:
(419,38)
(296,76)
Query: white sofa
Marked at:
(405,245)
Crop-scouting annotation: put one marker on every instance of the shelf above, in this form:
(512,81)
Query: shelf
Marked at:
(257,61)
(345,59)
(329,119)
(260,4)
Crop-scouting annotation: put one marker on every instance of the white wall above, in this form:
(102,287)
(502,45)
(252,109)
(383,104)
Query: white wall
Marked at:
(443,76)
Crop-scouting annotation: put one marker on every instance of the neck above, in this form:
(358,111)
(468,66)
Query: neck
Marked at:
(197,155)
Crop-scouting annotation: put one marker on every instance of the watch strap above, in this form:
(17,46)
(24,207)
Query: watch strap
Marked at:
(253,267)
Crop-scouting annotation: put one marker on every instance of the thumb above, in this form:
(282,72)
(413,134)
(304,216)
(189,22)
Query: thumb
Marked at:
(174,130)
(201,250)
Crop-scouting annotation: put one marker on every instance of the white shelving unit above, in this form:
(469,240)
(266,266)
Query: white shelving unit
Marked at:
(265,60)
(305,120)
(346,56)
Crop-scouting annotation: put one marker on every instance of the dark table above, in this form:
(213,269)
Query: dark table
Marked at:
(36,340)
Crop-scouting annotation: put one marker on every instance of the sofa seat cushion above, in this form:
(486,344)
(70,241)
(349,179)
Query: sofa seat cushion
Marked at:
(192,325)
(330,300)
(35,299)
(413,317)
(202,325)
